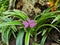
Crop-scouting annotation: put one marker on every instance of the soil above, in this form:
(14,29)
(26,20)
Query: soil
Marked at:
(12,41)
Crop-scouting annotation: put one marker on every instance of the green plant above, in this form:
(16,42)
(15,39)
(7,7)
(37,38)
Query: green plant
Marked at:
(11,22)
(47,21)
(8,24)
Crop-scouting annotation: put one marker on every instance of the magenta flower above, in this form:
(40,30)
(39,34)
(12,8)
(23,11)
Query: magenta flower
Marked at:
(30,23)
(25,24)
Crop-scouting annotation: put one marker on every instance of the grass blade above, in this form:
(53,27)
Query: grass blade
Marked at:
(19,39)
(27,37)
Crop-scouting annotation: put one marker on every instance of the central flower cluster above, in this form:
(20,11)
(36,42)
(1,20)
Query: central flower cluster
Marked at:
(30,23)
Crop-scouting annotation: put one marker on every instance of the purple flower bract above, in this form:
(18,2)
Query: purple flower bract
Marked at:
(25,24)
(30,23)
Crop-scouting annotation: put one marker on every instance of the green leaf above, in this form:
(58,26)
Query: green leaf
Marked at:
(17,13)
(13,34)
(44,31)
(27,37)
(43,39)
(56,19)
(21,14)
(5,35)
(45,16)
(14,28)
(34,43)
(0,31)
(10,23)
(19,39)
(48,25)
(47,10)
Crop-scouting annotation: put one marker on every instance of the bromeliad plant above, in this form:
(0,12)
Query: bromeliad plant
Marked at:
(17,21)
